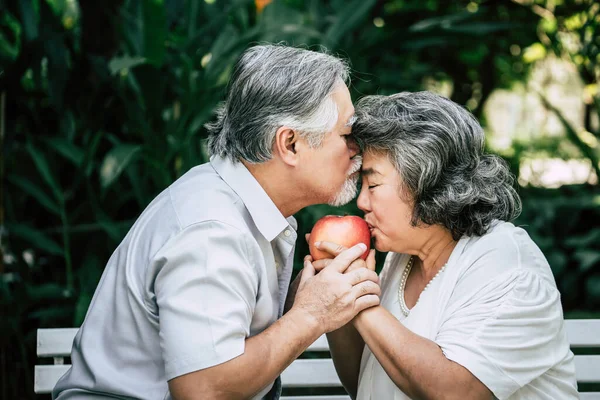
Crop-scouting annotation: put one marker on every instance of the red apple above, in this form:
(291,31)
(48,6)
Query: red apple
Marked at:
(346,230)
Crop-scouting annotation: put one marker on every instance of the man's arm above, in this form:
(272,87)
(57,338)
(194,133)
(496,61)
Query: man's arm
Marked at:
(324,302)
(265,356)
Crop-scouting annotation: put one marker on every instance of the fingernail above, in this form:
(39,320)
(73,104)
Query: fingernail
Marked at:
(317,244)
(362,246)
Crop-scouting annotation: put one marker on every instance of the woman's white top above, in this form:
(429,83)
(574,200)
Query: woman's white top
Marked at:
(495,310)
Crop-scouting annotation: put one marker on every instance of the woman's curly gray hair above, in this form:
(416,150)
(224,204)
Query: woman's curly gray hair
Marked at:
(437,147)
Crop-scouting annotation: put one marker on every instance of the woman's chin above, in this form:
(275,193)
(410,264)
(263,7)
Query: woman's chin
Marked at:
(378,245)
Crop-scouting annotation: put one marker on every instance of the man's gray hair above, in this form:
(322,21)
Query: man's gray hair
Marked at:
(437,147)
(274,86)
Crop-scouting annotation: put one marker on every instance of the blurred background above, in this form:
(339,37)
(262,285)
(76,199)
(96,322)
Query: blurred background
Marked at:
(102,106)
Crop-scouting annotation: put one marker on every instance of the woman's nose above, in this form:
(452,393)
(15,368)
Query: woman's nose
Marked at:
(363,200)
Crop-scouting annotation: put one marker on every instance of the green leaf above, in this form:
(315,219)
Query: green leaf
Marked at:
(36,238)
(353,14)
(28,187)
(115,163)
(81,307)
(587,259)
(593,286)
(42,166)
(117,64)
(67,149)
(30,17)
(46,291)
(10,45)
(155,30)
(58,68)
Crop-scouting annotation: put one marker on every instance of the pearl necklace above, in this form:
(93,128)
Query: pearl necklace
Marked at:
(403,307)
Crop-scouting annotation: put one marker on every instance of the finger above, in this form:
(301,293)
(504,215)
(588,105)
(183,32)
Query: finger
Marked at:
(366,288)
(358,263)
(364,302)
(371,264)
(320,264)
(307,237)
(308,258)
(361,275)
(307,272)
(332,248)
(345,258)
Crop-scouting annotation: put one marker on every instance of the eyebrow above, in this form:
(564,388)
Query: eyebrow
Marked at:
(369,172)
(351,120)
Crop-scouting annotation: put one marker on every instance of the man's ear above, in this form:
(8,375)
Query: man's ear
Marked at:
(286,140)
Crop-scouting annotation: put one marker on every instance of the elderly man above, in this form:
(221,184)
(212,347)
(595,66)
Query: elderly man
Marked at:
(190,304)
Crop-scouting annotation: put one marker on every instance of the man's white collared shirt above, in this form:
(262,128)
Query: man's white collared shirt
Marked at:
(204,267)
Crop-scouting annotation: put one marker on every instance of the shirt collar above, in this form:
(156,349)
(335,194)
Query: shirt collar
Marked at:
(267,217)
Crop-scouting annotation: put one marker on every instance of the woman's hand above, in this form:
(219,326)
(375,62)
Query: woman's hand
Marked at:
(335,249)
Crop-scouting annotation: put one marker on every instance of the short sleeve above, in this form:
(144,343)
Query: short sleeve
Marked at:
(205,292)
(508,333)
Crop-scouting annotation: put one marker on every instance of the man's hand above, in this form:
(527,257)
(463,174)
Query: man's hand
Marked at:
(335,295)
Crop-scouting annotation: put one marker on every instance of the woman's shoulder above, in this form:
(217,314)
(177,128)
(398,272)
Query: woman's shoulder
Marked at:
(504,250)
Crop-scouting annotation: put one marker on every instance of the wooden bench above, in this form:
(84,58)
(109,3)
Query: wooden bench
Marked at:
(318,374)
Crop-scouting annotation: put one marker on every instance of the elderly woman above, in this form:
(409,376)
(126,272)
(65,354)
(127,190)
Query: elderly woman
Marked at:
(469,307)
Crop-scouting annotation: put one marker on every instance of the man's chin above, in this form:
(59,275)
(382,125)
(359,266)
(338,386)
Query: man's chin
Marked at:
(346,195)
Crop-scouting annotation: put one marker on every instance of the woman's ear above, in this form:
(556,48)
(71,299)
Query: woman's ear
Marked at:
(286,140)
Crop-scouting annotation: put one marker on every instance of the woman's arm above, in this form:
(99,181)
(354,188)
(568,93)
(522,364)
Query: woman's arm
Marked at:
(345,344)
(346,347)
(415,364)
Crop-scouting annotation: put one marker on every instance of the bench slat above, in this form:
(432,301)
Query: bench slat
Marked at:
(315,372)
(587,369)
(55,342)
(311,373)
(589,396)
(320,344)
(330,397)
(58,342)
(583,332)
(46,377)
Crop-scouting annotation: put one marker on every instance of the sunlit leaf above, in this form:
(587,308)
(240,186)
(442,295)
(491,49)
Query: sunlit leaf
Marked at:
(115,163)
(587,259)
(533,53)
(117,64)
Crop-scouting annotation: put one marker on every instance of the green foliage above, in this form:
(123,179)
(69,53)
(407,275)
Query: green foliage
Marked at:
(563,222)
(106,103)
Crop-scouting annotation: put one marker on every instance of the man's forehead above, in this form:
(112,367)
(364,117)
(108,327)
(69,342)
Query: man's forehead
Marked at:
(351,120)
